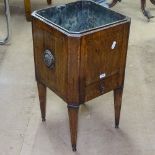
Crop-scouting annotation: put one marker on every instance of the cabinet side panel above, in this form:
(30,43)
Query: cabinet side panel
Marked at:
(48,39)
(37,44)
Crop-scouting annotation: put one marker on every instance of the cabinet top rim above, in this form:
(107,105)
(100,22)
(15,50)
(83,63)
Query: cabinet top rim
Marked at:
(79,18)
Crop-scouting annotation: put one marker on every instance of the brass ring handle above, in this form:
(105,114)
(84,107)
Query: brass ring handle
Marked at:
(49,59)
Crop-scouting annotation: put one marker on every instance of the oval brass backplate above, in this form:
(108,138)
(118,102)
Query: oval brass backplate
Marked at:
(49,59)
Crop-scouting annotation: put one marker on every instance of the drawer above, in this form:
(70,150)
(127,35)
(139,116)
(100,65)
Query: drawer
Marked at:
(101,87)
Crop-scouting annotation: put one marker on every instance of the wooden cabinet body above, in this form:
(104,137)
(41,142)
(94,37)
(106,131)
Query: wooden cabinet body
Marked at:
(84,65)
(81,61)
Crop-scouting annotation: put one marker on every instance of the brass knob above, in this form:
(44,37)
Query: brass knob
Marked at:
(49,59)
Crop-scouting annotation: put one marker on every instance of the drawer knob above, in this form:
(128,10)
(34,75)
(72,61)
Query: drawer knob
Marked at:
(49,59)
(113,45)
(102,75)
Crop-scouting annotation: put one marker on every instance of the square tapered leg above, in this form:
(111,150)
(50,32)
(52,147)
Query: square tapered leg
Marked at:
(117,104)
(49,2)
(73,122)
(27,4)
(42,99)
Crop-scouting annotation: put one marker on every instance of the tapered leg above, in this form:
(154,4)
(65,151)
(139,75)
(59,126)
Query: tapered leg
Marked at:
(49,1)
(42,99)
(153,1)
(117,104)
(145,12)
(27,4)
(113,3)
(73,122)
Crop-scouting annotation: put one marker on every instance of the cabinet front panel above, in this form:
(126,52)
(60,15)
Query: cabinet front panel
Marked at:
(103,54)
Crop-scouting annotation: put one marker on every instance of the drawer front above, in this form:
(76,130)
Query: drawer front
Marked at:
(103,51)
(101,87)
(49,48)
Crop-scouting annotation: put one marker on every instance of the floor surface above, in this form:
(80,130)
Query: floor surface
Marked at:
(21,129)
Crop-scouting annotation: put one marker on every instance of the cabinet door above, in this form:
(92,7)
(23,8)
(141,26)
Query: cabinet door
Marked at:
(103,52)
